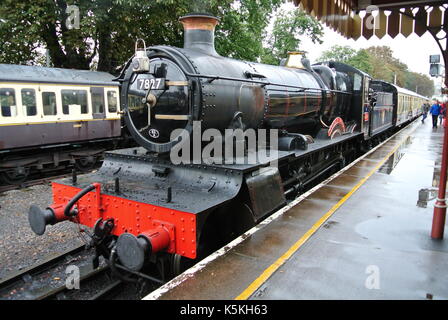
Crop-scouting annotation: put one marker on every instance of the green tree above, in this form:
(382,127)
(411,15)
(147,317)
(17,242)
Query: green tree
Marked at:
(338,53)
(109,28)
(243,27)
(380,63)
(359,59)
(419,83)
(387,67)
(288,28)
(362,61)
(107,31)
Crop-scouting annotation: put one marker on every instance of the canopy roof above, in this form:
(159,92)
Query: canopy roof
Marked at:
(394,16)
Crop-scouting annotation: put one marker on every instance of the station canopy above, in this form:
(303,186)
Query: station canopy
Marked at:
(356,18)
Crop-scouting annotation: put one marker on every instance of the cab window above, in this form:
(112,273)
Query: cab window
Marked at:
(8,102)
(49,103)
(29,101)
(112,101)
(357,82)
(74,97)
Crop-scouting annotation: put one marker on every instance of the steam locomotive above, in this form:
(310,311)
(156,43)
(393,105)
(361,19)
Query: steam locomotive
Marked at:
(147,211)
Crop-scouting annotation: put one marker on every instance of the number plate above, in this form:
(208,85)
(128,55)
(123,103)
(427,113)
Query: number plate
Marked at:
(154,83)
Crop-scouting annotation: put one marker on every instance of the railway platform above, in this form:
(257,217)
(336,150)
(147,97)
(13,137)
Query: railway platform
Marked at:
(361,234)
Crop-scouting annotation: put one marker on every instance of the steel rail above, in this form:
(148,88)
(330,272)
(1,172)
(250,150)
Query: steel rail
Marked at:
(30,183)
(41,267)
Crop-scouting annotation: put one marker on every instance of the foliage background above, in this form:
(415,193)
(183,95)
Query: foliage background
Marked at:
(380,63)
(109,28)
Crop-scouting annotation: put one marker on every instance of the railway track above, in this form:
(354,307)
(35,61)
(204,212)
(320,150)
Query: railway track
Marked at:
(47,280)
(43,178)
(87,289)
(26,184)
(21,284)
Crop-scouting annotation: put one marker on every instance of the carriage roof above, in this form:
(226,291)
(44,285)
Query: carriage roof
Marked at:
(20,73)
(399,89)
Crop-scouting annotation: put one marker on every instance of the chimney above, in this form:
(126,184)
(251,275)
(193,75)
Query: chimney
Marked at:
(199,32)
(295,60)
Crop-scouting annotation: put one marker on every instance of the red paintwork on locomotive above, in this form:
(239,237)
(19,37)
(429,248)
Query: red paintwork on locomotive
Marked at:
(132,217)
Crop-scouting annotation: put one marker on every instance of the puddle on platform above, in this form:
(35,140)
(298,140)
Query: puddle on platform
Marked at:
(429,194)
(436,174)
(395,158)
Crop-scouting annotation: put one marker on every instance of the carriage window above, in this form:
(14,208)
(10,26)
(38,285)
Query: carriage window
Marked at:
(49,103)
(8,102)
(97,100)
(112,101)
(29,101)
(74,97)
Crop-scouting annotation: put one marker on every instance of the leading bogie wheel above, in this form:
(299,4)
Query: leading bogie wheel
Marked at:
(86,164)
(15,176)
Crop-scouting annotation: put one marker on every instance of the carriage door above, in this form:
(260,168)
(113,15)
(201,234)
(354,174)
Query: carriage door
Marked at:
(98,102)
(367,114)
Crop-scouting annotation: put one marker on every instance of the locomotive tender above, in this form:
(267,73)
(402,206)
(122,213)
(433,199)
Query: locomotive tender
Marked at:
(52,118)
(146,211)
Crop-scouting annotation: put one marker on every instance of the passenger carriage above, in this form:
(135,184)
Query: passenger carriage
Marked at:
(51,116)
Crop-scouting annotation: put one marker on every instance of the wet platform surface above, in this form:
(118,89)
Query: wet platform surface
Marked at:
(359,236)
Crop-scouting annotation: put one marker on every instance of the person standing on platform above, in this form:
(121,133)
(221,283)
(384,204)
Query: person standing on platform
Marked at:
(435,112)
(442,112)
(424,112)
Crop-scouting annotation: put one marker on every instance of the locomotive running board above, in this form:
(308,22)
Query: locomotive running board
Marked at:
(152,180)
(192,188)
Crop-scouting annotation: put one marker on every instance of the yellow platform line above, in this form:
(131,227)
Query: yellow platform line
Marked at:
(257,283)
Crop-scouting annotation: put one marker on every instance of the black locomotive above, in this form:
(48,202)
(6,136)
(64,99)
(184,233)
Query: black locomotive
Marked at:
(197,84)
(145,210)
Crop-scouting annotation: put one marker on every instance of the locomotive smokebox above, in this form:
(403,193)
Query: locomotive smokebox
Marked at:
(199,32)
